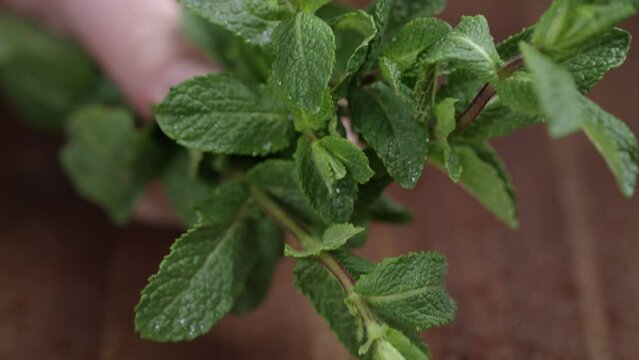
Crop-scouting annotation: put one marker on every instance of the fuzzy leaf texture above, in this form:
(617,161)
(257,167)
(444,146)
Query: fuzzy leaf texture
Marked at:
(199,281)
(470,46)
(108,161)
(324,183)
(222,114)
(304,61)
(410,290)
(413,39)
(354,32)
(387,124)
(404,11)
(247,19)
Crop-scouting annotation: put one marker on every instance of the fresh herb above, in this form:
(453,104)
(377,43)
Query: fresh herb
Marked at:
(263,149)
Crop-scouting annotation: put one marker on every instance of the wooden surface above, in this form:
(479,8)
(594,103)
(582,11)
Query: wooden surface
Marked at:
(564,286)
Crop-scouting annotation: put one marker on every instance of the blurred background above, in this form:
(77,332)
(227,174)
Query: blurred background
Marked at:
(564,286)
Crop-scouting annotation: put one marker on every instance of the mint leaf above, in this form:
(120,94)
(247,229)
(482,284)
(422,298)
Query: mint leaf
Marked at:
(43,76)
(409,289)
(568,23)
(556,92)
(518,92)
(485,178)
(237,56)
(245,18)
(278,178)
(328,298)
(310,6)
(108,161)
(270,245)
(183,188)
(198,282)
(354,32)
(405,10)
(304,61)
(470,46)
(425,90)
(413,39)
(616,143)
(446,124)
(596,57)
(319,120)
(397,346)
(387,124)
(333,204)
(334,237)
(498,120)
(391,74)
(351,157)
(221,114)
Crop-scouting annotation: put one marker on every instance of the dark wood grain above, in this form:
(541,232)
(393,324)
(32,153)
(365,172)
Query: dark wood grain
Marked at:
(564,286)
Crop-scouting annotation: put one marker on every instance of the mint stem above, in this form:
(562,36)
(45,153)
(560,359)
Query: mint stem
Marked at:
(279,215)
(486,94)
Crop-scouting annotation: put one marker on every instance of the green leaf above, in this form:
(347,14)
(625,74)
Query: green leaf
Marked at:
(333,204)
(183,188)
(278,179)
(244,60)
(108,161)
(569,23)
(304,59)
(397,346)
(352,157)
(425,90)
(43,76)
(405,10)
(334,237)
(498,120)
(221,114)
(410,290)
(596,57)
(446,124)
(556,92)
(387,123)
(391,74)
(244,18)
(310,6)
(470,46)
(413,39)
(485,178)
(270,245)
(316,121)
(328,298)
(616,143)
(354,32)
(199,281)
(518,92)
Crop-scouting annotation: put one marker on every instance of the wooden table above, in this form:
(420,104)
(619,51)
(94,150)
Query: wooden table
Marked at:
(565,286)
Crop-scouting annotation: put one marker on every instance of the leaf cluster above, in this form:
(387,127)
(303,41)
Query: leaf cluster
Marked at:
(323,107)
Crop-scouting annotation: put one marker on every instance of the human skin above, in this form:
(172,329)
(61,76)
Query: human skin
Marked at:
(139,45)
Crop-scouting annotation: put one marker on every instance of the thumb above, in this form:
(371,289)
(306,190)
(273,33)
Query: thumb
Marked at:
(139,45)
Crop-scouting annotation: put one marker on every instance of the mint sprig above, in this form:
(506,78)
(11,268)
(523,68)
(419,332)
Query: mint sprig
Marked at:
(263,150)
